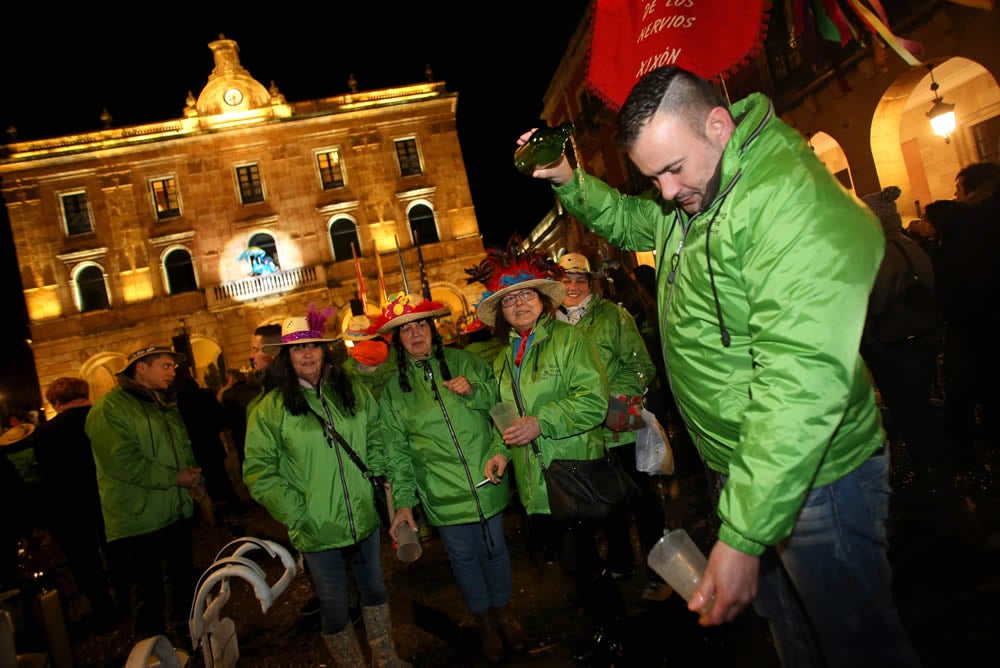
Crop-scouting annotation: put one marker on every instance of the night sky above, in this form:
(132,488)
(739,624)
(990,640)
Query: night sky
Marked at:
(60,69)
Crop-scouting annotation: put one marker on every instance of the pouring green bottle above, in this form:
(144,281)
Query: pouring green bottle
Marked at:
(544,148)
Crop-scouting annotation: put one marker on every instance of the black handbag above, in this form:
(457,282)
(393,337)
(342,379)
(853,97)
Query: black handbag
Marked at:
(378,482)
(587,489)
(583,489)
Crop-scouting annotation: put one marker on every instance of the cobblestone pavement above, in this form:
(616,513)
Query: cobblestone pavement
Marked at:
(948,621)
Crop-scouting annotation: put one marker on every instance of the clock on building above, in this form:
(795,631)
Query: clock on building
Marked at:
(233,96)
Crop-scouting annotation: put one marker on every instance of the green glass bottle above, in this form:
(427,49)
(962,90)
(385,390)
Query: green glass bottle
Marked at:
(544,147)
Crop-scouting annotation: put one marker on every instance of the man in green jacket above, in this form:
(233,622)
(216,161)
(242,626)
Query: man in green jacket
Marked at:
(764,266)
(148,481)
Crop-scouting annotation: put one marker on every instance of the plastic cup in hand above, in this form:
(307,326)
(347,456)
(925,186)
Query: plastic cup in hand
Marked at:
(680,562)
(504,414)
(408,548)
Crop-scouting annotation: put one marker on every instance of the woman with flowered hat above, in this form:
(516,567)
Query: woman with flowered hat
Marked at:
(438,432)
(553,372)
(297,469)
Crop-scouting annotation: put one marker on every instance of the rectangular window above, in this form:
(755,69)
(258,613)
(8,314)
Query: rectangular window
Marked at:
(409,159)
(251,188)
(77,213)
(329,169)
(165,198)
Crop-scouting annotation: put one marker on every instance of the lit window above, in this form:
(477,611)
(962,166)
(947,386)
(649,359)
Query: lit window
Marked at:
(251,188)
(165,198)
(330,173)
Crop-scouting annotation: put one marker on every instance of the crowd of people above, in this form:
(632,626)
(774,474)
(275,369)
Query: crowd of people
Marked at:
(765,328)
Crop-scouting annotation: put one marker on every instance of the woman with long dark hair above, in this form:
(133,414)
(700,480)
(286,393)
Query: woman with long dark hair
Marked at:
(297,468)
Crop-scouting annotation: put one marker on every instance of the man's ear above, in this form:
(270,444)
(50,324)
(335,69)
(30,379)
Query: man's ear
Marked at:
(719,126)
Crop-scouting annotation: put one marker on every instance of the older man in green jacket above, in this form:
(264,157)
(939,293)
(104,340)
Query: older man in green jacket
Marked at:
(148,481)
(764,266)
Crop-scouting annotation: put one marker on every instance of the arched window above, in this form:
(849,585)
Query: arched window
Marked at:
(91,289)
(343,233)
(265,242)
(180,272)
(422,224)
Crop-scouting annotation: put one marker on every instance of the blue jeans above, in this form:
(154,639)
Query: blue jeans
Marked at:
(826,591)
(328,570)
(480,563)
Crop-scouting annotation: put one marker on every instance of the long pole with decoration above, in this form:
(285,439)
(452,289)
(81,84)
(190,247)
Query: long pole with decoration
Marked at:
(383,297)
(402,265)
(362,293)
(425,287)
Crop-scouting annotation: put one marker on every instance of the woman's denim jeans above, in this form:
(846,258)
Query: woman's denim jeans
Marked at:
(480,563)
(328,570)
(826,591)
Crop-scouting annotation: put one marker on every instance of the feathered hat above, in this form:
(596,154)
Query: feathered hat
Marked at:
(310,329)
(506,271)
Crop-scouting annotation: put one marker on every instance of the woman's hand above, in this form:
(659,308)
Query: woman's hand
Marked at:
(402,515)
(523,431)
(495,467)
(460,385)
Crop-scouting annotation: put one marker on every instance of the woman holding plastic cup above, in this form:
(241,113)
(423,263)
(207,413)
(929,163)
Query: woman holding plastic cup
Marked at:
(553,372)
(436,422)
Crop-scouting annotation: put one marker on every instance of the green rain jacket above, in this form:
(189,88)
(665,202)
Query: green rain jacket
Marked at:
(139,446)
(783,261)
(563,384)
(423,457)
(622,351)
(309,485)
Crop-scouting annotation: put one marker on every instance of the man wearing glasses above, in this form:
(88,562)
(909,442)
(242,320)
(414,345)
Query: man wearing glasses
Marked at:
(149,482)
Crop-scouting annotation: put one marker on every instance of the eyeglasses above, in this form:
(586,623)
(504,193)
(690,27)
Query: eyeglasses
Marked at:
(522,297)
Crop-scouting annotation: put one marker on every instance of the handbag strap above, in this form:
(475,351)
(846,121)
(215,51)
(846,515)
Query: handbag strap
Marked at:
(519,401)
(330,431)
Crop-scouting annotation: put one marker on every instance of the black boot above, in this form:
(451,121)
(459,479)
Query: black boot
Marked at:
(603,648)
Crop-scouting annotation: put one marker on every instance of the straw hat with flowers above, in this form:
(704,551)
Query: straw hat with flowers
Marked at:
(513,269)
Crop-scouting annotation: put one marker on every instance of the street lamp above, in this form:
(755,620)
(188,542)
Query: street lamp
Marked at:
(941,114)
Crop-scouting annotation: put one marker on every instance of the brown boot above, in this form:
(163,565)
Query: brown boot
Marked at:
(491,645)
(511,630)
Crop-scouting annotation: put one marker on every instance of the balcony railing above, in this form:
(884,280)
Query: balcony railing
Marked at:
(265,285)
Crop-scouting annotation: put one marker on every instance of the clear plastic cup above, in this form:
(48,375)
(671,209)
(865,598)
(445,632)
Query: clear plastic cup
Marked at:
(678,560)
(504,414)
(408,547)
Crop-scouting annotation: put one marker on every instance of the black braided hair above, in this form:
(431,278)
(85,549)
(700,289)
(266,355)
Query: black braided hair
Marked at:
(437,344)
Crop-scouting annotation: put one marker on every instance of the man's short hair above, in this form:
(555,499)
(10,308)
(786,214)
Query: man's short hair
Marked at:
(270,334)
(65,389)
(670,90)
(977,174)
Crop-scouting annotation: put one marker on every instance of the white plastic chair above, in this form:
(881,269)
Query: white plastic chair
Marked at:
(217,635)
(9,658)
(156,652)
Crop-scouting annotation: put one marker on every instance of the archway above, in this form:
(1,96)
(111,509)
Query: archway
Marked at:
(905,150)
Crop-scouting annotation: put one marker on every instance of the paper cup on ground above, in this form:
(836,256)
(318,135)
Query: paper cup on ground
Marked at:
(408,548)
(680,562)
(504,414)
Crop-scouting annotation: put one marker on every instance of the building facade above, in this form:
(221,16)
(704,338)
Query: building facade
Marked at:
(243,212)
(860,106)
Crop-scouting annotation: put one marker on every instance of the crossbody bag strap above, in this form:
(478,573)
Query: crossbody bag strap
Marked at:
(520,409)
(331,431)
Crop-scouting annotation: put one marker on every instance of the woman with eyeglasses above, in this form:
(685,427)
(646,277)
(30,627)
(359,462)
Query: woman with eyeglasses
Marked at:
(438,433)
(553,372)
(302,473)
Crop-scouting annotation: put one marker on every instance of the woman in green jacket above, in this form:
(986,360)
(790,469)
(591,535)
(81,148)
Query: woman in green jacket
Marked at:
(296,468)
(553,372)
(435,416)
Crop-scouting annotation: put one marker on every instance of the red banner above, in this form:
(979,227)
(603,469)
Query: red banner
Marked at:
(632,37)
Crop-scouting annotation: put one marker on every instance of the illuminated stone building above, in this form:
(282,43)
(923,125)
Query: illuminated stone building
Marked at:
(242,212)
